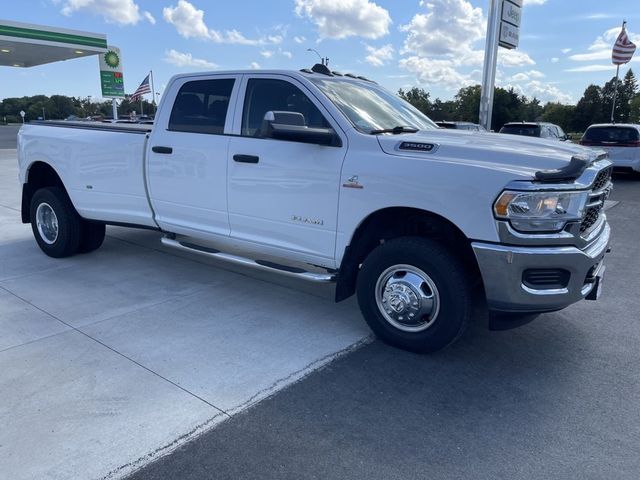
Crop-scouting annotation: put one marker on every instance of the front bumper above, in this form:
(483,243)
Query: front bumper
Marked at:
(502,269)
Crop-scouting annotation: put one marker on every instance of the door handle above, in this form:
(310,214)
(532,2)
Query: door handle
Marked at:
(158,149)
(246,158)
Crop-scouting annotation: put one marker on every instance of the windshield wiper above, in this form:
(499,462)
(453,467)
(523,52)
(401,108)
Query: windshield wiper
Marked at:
(395,130)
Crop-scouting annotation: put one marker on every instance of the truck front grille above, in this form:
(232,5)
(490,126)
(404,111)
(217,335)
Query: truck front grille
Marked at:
(599,193)
(602,179)
(593,213)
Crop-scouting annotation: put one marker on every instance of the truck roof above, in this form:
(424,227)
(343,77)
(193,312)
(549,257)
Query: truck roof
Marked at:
(317,71)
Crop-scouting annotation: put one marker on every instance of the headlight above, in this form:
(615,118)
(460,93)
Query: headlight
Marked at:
(540,211)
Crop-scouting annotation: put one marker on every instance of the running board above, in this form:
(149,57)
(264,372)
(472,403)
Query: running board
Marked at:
(262,265)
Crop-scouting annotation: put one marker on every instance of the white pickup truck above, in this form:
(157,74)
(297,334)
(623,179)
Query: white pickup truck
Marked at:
(331,178)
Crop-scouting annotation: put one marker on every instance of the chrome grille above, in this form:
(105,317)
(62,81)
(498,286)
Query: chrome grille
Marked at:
(591,217)
(599,193)
(602,179)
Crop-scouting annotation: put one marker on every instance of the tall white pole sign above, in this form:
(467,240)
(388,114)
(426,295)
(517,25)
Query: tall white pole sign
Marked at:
(503,29)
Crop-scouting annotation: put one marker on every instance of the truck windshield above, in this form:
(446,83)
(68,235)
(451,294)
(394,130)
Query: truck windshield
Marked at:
(370,108)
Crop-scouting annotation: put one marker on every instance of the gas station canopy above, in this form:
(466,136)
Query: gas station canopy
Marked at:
(26,45)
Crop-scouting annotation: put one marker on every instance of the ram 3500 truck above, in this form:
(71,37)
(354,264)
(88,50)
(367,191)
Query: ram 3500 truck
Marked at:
(331,178)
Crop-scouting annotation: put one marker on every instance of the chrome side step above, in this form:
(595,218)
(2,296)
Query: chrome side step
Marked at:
(262,265)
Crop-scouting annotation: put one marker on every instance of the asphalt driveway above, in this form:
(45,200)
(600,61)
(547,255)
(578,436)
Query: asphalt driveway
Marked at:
(556,399)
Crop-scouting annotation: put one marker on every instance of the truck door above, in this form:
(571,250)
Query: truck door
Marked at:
(283,193)
(187,157)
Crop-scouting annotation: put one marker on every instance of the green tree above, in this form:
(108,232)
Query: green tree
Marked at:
(634,109)
(589,109)
(468,104)
(559,114)
(418,98)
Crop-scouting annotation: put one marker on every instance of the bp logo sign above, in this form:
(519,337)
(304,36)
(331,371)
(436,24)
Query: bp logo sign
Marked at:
(111,78)
(112,59)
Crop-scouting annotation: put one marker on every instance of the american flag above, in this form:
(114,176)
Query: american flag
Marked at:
(141,90)
(623,49)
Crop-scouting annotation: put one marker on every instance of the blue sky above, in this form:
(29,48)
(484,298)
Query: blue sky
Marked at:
(434,44)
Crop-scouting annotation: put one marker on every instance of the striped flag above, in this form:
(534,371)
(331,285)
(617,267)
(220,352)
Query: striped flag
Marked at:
(623,49)
(141,90)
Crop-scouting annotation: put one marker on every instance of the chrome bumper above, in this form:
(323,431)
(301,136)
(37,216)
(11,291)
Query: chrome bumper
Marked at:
(502,269)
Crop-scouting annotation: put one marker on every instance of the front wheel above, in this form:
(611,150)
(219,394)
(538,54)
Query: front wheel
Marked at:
(415,294)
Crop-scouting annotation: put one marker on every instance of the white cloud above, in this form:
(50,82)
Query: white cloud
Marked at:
(271,53)
(566,50)
(123,12)
(189,22)
(591,68)
(514,58)
(441,51)
(451,53)
(535,74)
(187,19)
(601,47)
(254,65)
(535,2)
(546,92)
(428,34)
(555,60)
(299,39)
(379,56)
(520,77)
(345,18)
(436,72)
(527,76)
(180,59)
(598,16)
(150,18)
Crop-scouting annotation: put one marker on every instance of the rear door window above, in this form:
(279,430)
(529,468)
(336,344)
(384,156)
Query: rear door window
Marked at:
(201,106)
(611,136)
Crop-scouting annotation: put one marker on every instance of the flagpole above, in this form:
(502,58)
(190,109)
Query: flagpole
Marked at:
(615,95)
(153,94)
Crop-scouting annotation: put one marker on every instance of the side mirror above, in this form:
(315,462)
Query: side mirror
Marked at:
(291,126)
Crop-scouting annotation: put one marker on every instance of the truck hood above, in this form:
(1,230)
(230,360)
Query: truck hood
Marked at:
(517,154)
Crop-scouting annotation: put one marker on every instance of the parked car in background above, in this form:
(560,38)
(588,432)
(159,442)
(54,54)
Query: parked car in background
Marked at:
(461,126)
(535,129)
(620,140)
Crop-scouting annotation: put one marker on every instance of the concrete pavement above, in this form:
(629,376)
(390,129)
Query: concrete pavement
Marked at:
(110,359)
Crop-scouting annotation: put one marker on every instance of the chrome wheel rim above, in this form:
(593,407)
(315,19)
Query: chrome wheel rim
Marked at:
(47,223)
(407,298)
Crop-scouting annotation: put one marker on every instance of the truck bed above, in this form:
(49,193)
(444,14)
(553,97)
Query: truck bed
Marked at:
(102,166)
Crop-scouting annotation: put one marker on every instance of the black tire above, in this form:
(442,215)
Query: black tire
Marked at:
(64,240)
(91,236)
(438,328)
